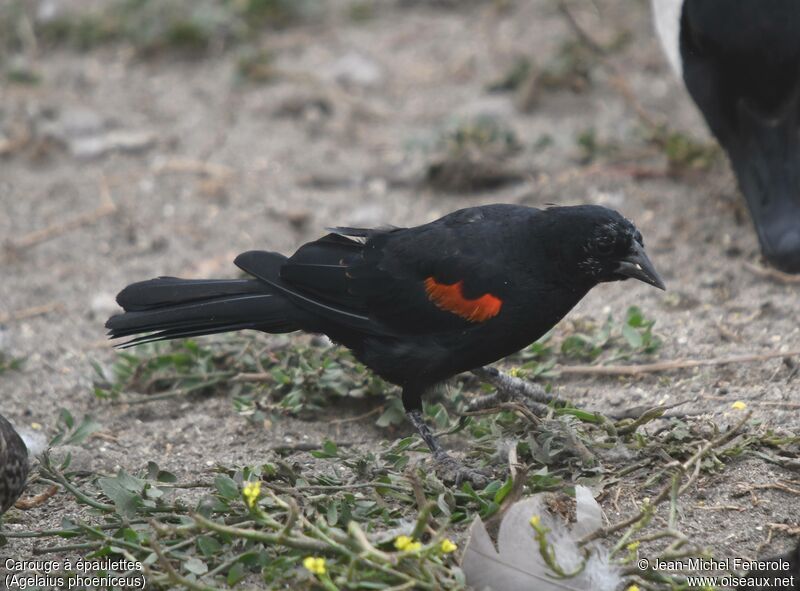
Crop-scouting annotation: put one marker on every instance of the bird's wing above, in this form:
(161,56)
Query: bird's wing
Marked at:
(444,276)
(324,298)
(429,279)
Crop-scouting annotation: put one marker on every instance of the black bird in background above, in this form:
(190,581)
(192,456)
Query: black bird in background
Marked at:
(416,305)
(740,61)
(13,465)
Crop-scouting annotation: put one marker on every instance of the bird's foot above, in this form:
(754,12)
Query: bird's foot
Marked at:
(448,468)
(451,470)
(511,389)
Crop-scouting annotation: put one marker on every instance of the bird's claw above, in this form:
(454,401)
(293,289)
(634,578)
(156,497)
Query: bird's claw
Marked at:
(451,470)
(511,389)
(531,402)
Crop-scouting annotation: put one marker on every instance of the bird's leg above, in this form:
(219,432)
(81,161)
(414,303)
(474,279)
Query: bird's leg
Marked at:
(510,389)
(448,467)
(415,418)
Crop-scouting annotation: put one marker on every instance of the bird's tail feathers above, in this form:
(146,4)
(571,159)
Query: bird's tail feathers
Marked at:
(170,308)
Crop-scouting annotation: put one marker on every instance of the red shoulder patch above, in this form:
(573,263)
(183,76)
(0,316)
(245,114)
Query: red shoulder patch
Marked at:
(450,298)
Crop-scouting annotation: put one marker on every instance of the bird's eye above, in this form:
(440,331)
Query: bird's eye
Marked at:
(604,246)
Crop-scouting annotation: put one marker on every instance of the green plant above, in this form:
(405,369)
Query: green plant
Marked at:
(634,336)
(8,363)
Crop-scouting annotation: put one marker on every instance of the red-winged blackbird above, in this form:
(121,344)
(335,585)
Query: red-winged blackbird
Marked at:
(415,305)
(13,465)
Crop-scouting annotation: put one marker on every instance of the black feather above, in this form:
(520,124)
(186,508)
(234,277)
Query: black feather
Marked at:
(173,308)
(267,267)
(164,291)
(362,232)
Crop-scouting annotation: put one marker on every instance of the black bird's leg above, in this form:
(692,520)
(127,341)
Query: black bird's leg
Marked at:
(510,388)
(415,417)
(451,468)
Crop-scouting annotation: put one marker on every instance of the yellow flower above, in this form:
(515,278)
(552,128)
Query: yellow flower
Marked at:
(448,546)
(535,521)
(738,405)
(251,492)
(633,546)
(402,542)
(315,564)
(633,588)
(406,544)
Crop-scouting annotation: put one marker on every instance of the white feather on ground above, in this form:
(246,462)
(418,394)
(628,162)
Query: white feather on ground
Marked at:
(517,564)
(35,441)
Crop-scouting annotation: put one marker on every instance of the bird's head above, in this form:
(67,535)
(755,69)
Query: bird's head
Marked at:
(604,246)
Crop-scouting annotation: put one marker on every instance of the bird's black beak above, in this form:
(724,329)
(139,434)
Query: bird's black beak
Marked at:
(636,265)
(765,153)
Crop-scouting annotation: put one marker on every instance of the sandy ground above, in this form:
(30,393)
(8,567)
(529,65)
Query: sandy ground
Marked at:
(282,168)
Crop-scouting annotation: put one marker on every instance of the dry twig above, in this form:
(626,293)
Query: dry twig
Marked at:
(107,207)
(773,274)
(30,312)
(645,368)
(669,486)
(782,486)
(183,165)
(36,500)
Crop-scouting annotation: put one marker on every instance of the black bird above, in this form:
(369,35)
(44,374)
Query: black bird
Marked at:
(13,465)
(416,305)
(740,61)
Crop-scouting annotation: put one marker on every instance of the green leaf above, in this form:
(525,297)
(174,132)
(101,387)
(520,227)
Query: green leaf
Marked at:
(9,363)
(635,317)
(66,418)
(583,415)
(151,558)
(152,470)
(236,574)
(208,546)
(580,346)
(129,535)
(164,476)
(633,336)
(79,435)
(503,491)
(226,487)
(196,566)
(393,415)
(440,418)
(68,524)
(131,483)
(98,369)
(329,450)
(333,514)
(125,501)
(153,492)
